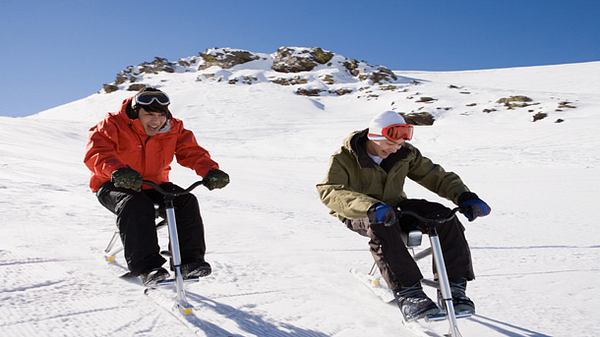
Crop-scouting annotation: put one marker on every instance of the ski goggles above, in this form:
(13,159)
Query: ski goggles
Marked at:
(148,97)
(396,132)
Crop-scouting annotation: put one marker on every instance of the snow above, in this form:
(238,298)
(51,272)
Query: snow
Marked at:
(281,263)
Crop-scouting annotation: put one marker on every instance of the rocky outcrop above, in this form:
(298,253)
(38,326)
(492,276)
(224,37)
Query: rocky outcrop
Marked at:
(108,88)
(516,102)
(308,92)
(159,64)
(352,67)
(295,60)
(512,99)
(243,79)
(136,87)
(290,81)
(379,76)
(288,60)
(341,91)
(225,58)
(418,118)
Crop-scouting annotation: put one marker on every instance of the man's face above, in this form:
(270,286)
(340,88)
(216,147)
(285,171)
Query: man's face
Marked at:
(384,148)
(151,121)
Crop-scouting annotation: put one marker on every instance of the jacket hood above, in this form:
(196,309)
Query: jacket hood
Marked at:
(356,144)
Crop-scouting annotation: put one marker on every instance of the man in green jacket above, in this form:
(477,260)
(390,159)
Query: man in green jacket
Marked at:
(364,188)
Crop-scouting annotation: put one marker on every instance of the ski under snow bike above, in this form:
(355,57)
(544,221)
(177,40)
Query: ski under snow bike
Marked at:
(412,240)
(181,301)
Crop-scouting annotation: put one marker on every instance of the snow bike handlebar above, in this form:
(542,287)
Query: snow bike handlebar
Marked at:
(437,221)
(173,194)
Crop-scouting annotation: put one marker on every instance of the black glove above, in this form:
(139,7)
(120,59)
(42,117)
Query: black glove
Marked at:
(381,213)
(126,177)
(472,207)
(215,178)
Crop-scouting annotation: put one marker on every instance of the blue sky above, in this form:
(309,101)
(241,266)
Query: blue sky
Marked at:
(54,52)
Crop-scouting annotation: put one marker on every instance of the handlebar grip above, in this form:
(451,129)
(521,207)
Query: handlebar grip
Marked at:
(172,194)
(428,220)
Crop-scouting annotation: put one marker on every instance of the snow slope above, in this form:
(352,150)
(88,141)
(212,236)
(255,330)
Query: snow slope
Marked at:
(280,261)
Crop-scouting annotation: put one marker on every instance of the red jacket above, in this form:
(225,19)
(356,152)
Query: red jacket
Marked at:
(118,141)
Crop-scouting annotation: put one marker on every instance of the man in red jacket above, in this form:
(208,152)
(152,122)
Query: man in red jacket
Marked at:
(140,142)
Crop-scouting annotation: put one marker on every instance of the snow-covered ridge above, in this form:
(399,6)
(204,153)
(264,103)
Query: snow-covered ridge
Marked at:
(309,71)
(548,93)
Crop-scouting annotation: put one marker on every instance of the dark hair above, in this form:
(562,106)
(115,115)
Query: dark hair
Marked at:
(133,113)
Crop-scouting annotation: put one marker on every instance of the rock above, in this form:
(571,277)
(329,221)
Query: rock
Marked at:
(559,120)
(327,79)
(295,60)
(157,65)
(321,56)
(419,118)
(539,115)
(136,87)
(425,99)
(379,76)
(565,104)
(243,79)
(388,87)
(471,104)
(341,91)
(225,58)
(308,92)
(452,86)
(108,88)
(352,67)
(121,78)
(505,100)
(464,92)
(290,81)
(489,110)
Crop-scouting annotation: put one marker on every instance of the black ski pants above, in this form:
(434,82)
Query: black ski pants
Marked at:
(396,264)
(136,222)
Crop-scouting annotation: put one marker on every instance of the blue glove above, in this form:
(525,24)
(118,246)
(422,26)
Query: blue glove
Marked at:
(472,207)
(381,213)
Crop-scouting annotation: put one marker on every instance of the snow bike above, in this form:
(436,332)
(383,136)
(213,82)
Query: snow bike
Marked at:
(442,284)
(181,301)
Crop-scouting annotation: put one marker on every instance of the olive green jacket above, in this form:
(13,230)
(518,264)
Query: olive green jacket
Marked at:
(354,182)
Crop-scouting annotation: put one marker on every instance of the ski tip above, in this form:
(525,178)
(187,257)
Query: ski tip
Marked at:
(127,275)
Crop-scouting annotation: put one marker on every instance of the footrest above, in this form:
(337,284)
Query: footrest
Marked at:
(165,253)
(170,281)
(443,316)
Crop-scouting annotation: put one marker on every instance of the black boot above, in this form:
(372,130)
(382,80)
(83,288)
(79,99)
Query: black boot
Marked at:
(152,277)
(413,302)
(195,269)
(462,304)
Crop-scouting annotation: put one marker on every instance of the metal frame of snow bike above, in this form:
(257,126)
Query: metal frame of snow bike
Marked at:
(181,301)
(413,239)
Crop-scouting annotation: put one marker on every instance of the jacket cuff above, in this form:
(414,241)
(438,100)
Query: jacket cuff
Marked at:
(466,196)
